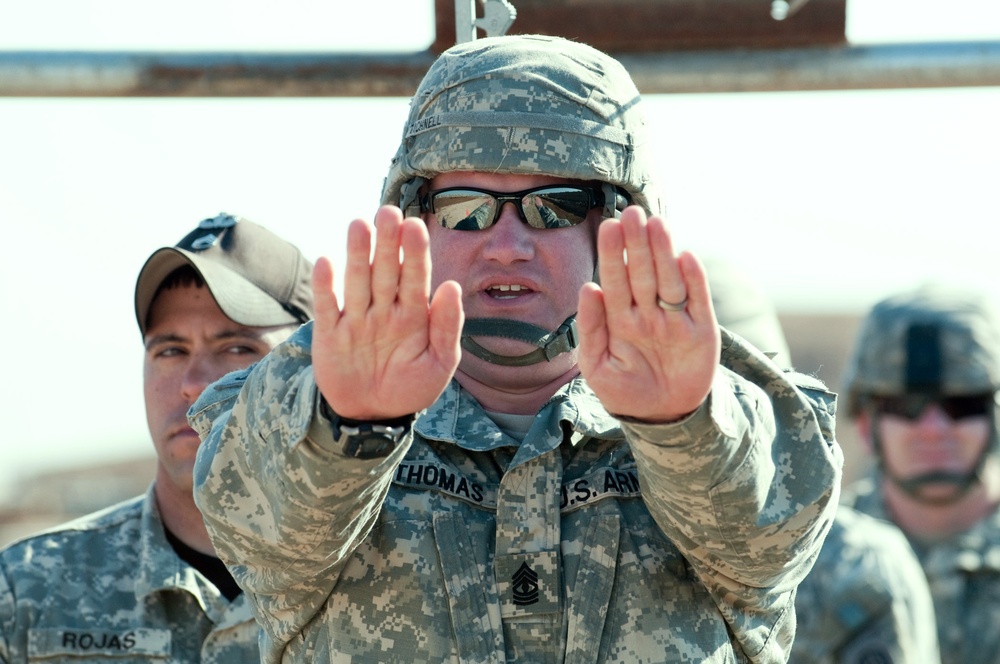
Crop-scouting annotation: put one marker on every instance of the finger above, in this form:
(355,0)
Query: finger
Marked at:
(385,265)
(327,315)
(357,275)
(641,267)
(415,276)
(617,298)
(670,286)
(446,320)
(698,291)
(591,322)
(324,297)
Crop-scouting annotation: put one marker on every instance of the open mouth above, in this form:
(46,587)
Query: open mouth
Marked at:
(506,291)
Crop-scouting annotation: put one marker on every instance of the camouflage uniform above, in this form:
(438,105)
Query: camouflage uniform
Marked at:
(865,600)
(938,341)
(964,578)
(123,595)
(590,541)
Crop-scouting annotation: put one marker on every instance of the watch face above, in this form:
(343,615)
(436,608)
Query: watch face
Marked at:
(369,445)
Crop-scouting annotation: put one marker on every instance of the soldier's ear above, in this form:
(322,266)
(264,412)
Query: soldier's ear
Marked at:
(863,425)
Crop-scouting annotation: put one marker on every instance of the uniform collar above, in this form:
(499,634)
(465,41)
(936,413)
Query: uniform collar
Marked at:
(456,417)
(162,570)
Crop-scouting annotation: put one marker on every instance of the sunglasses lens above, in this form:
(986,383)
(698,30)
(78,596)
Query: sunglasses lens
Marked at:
(911,406)
(557,207)
(545,207)
(907,406)
(961,407)
(464,210)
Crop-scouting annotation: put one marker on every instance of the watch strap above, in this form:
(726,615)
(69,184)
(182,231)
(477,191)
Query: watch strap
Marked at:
(367,439)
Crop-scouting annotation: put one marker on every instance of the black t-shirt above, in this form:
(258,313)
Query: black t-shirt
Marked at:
(211,567)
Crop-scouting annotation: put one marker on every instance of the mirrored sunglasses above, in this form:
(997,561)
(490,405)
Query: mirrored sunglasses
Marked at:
(471,209)
(912,406)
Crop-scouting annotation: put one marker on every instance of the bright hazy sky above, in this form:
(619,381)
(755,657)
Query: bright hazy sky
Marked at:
(831,199)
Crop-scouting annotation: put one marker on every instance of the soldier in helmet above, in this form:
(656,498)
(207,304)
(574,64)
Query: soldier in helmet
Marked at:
(525,466)
(921,387)
(866,599)
(139,581)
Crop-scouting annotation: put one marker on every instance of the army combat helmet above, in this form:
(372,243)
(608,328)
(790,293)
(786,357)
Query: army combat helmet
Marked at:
(526,104)
(935,341)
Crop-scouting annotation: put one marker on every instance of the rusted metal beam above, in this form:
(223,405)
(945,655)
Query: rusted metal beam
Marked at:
(888,66)
(216,74)
(91,74)
(625,26)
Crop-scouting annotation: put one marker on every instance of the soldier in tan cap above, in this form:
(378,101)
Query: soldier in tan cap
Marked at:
(140,581)
(921,386)
(524,466)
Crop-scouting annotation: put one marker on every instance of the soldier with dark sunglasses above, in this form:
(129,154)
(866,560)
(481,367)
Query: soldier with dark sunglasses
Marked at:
(921,386)
(498,459)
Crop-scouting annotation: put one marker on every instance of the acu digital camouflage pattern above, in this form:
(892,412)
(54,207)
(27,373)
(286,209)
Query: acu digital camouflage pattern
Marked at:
(583,543)
(969,334)
(964,578)
(109,588)
(866,600)
(526,104)
(963,572)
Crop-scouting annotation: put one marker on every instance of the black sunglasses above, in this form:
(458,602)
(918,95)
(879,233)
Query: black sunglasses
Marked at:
(911,406)
(472,209)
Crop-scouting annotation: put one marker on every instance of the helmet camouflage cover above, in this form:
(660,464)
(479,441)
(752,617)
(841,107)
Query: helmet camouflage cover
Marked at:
(525,104)
(934,340)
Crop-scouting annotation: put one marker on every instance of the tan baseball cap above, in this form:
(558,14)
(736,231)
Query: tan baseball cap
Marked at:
(257,278)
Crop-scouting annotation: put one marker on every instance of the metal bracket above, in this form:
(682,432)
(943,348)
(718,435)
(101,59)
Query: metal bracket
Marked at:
(783,9)
(498,16)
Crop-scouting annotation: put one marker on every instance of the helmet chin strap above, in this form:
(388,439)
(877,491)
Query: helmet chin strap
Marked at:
(962,482)
(550,344)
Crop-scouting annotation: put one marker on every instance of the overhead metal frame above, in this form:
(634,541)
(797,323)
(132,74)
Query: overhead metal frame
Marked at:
(671,46)
(133,74)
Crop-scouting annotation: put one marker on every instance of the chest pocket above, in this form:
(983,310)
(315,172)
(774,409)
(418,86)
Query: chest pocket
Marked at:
(595,580)
(97,645)
(472,594)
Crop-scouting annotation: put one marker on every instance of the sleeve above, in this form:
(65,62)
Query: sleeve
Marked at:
(866,598)
(904,628)
(284,507)
(747,488)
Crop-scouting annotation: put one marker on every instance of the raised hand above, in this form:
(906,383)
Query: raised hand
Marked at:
(649,340)
(390,350)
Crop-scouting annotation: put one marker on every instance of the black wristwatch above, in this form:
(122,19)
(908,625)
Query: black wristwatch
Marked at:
(367,439)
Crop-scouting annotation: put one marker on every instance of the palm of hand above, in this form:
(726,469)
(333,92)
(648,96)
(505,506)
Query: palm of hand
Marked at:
(390,350)
(640,359)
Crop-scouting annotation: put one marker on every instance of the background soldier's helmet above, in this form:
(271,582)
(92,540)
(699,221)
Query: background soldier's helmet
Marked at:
(525,105)
(742,306)
(935,340)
